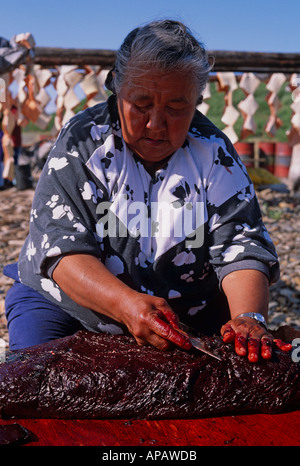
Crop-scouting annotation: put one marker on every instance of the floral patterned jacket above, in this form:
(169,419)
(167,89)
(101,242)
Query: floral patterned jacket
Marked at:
(175,234)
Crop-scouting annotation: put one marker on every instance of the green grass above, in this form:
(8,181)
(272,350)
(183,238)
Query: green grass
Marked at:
(217,106)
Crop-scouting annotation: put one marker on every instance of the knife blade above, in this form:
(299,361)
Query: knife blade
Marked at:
(197,342)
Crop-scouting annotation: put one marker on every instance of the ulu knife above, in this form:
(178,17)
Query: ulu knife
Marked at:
(197,342)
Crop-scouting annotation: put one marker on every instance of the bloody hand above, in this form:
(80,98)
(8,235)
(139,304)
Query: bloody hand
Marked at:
(152,322)
(251,338)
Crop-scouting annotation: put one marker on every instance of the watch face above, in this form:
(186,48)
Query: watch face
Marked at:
(260,318)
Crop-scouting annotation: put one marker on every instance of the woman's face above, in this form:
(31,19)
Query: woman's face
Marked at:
(156,109)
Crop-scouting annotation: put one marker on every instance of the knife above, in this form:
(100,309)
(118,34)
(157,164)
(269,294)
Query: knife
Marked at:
(196,342)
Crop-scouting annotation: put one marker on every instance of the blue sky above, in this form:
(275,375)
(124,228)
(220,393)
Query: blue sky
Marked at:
(257,25)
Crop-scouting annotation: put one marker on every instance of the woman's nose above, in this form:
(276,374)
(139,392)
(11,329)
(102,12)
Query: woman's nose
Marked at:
(156,120)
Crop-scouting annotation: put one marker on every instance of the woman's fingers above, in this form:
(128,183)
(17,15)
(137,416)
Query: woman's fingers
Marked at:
(240,344)
(156,324)
(282,345)
(266,347)
(166,324)
(253,349)
(251,340)
(227,333)
(170,316)
(166,331)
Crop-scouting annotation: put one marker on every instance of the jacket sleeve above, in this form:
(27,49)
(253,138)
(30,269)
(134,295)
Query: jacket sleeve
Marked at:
(64,213)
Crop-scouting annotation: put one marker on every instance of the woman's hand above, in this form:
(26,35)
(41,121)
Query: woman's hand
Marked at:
(152,322)
(250,288)
(251,339)
(148,318)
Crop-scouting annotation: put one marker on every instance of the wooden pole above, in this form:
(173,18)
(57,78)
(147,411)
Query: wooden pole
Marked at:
(50,57)
(256,62)
(224,60)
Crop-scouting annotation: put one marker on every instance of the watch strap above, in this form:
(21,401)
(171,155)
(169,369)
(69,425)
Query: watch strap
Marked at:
(255,315)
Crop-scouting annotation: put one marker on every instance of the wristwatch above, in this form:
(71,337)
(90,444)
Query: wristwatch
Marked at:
(255,315)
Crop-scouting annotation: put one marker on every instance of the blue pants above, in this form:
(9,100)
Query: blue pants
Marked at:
(33,319)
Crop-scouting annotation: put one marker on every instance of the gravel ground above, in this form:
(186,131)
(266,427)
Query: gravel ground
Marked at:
(281,214)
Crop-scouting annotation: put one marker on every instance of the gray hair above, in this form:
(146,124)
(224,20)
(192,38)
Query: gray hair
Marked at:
(167,45)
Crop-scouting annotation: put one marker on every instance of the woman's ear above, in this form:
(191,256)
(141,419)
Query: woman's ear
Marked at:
(109,82)
(200,100)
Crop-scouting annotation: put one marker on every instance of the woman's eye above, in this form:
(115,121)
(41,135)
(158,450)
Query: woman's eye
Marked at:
(175,110)
(172,110)
(143,108)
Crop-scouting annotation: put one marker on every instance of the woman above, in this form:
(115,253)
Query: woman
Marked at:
(144,215)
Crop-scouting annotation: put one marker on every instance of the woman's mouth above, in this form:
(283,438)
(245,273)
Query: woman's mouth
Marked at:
(154,142)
